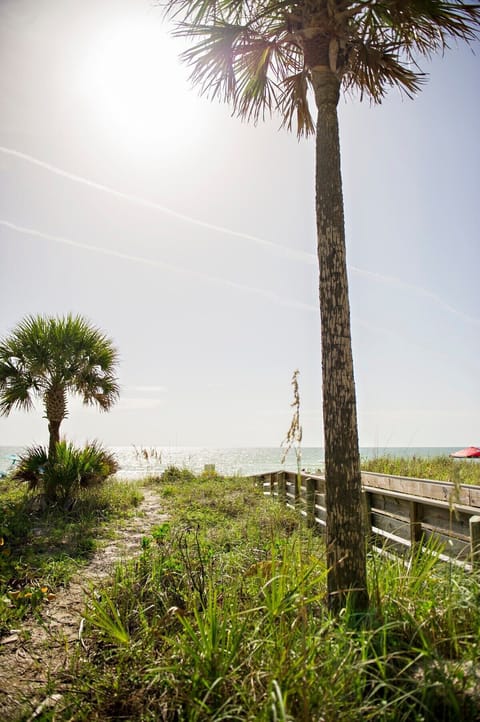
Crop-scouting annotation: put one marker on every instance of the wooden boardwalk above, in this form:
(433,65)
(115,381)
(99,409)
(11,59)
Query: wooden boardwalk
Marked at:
(400,513)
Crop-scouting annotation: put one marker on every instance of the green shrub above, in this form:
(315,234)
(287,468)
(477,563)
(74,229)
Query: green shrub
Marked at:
(31,466)
(174,473)
(70,470)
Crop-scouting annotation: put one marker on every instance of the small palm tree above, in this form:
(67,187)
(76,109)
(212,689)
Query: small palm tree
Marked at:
(49,357)
(279,55)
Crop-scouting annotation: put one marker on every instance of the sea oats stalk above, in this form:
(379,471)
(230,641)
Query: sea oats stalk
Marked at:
(293,439)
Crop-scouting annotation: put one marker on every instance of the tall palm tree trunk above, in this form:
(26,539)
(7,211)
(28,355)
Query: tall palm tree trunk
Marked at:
(346,560)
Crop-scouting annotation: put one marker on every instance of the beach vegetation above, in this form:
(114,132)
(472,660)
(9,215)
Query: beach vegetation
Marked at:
(436,468)
(224,616)
(285,57)
(293,439)
(174,474)
(43,546)
(143,453)
(47,357)
(71,469)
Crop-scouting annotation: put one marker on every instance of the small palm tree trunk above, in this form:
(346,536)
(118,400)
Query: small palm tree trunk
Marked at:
(347,578)
(55,411)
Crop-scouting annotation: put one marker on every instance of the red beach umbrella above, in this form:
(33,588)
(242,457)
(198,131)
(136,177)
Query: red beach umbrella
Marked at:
(471,452)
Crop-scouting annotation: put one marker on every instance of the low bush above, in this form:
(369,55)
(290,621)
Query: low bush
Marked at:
(174,474)
(70,470)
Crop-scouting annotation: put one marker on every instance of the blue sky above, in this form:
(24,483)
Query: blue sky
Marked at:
(189,237)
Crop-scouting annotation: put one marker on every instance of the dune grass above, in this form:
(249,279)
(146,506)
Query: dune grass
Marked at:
(438,468)
(222,617)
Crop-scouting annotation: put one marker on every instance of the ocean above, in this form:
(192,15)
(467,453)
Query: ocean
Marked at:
(136,462)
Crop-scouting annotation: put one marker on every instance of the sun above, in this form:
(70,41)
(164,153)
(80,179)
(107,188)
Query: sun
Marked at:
(135,87)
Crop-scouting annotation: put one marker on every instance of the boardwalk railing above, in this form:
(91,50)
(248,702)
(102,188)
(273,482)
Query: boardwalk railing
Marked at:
(400,513)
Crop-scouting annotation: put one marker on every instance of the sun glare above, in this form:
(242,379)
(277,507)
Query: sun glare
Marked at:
(136,87)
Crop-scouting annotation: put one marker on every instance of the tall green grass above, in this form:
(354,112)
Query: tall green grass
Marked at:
(222,617)
(439,468)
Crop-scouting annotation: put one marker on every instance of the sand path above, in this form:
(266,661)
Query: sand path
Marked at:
(36,652)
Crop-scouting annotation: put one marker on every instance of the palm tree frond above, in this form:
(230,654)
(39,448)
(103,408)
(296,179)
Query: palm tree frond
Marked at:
(201,12)
(293,104)
(212,58)
(421,26)
(31,466)
(255,88)
(15,396)
(102,391)
(197,12)
(374,70)
(16,384)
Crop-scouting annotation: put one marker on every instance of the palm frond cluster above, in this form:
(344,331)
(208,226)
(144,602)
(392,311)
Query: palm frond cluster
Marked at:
(260,56)
(45,355)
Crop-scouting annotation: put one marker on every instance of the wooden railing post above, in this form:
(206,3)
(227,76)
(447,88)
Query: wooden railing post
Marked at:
(298,486)
(311,488)
(415,526)
(282,487)
(475,541)
(367,515)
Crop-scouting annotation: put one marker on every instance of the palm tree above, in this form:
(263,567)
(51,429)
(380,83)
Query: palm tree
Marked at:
(270,55)
(48,357)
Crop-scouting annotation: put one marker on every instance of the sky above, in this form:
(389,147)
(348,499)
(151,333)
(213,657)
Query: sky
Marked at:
(188,237)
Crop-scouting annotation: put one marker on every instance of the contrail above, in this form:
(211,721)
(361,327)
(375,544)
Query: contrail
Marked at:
(282,250)
(288,252)
(393,281)
(273,297)
(270,296)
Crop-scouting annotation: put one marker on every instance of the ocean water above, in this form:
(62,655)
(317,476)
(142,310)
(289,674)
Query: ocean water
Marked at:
(136,462)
